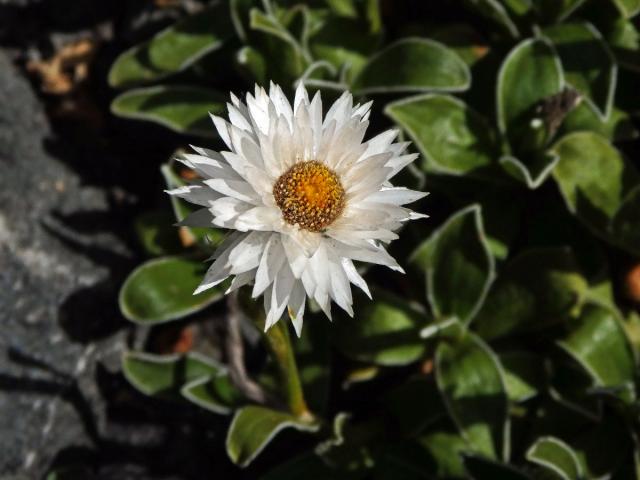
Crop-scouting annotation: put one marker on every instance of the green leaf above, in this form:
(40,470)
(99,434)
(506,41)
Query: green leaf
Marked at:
(538,288)
(617,128)
(555,11)
(182,109)
(413,65)
(254,427)
(557,457)
(598,342)
(596,182)
(523,374)
(460,267)
(530,73)
(216,394)
(254,63)
(452,137)
(156,233)
(464,40)
(494,10)
(628,8)
(161,290)
(471,381)
(173,49)
(164,375)
(384,331)
(587,62)
(444,449)
(534,171)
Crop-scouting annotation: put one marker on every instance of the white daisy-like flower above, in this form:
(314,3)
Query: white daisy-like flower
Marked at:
(305,196)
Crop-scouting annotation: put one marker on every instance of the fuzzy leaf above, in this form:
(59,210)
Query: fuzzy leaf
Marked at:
(384,331)
(530,73)
(156,233)
(452,137)
(598,342)
(597,182)
(216,394)
(460,266)
(538,288)
(173,49)
(180,108)
(523,374)
(164,375)
(161,290)
(617,128)
(494,10)
(587,62)
(254,427)
(557,457)
(413,65)
(628,8)
(472,384)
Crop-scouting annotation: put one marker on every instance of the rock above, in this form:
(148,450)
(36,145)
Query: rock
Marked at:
(58,288)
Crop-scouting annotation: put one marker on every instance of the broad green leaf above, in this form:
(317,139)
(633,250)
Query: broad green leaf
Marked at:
(180,108)
(164,375)
(596,182)
(628,8)
(253,62)
(557,457)
(445,450)
(530,73)
(413,65)
(534,171)
(452,137)
(215,393)
(344,43)
(173,49)
(556,10)
(161,290)
(461,268)
(598,342)
(519,7)
(494,10)
(464,40)
(285,58)
(479,467)
(587,62)
(617,128)
(254,427)
(538,288)
(384,331)
(471,381)
(156,233)
(523,374)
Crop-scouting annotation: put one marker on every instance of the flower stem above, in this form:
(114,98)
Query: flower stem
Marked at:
(278,343)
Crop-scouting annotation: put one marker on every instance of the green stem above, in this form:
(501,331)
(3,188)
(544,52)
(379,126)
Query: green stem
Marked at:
(279,345)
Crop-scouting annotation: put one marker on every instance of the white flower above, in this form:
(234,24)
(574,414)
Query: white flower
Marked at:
(305,197)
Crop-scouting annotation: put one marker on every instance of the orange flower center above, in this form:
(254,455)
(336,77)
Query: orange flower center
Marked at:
(309,195)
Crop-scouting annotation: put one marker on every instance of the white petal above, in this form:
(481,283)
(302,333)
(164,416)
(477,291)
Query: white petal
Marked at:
(246,254)
(271,261)
(241,280)
(354,277)
(297,301)
(198,194)
(239,189)
(259,218)
(396,196)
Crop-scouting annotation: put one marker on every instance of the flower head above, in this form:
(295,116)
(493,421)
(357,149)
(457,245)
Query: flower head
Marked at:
(305,197)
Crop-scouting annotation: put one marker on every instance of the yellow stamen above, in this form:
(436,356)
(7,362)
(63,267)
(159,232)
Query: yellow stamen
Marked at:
(309,195)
